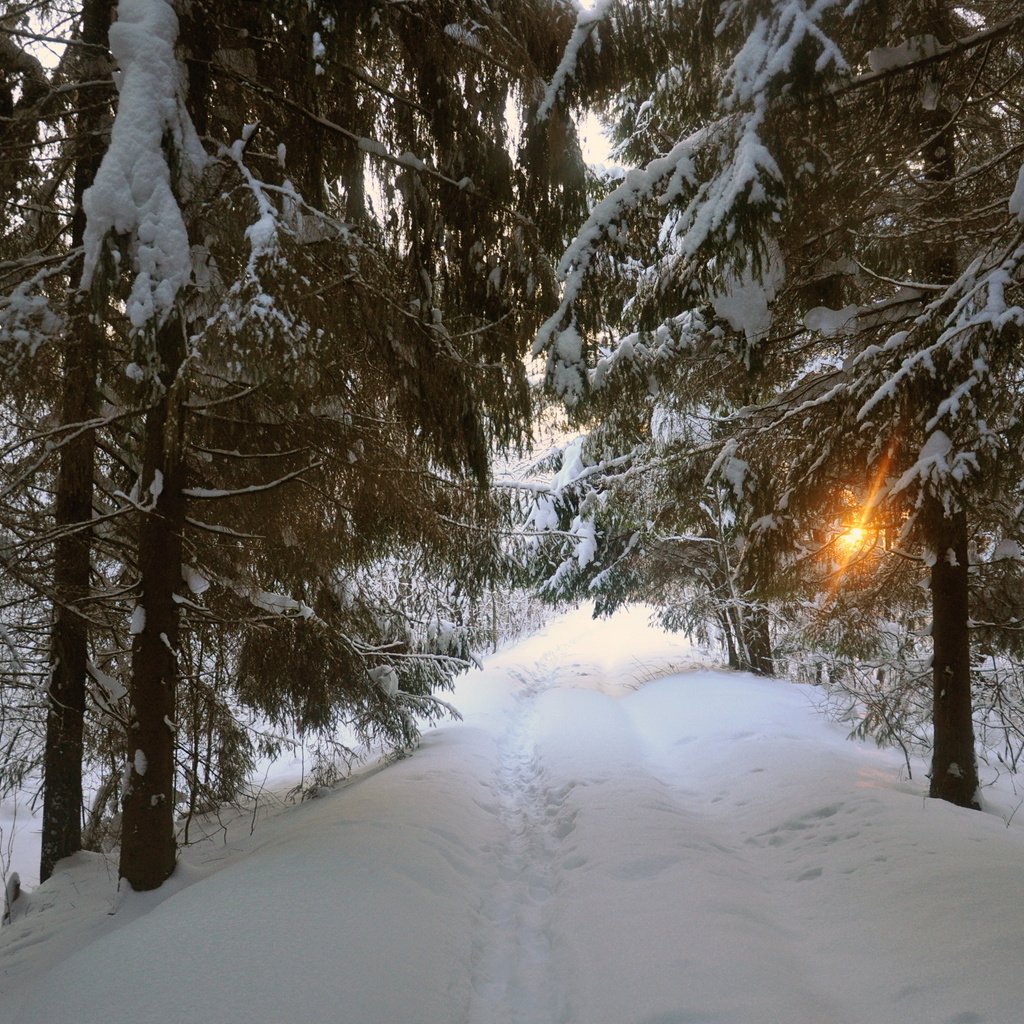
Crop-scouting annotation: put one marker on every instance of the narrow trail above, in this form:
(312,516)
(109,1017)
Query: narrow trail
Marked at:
(511,969)
(577,886)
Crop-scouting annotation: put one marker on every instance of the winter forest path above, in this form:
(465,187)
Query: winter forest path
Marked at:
(511,972)
(654,893)
(593,844)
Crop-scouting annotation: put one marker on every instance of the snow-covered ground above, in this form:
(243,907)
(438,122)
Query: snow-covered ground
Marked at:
(592,845)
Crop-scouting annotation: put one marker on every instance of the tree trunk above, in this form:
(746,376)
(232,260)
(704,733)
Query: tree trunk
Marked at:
(62,755)
(730,644)
(759,642)
(147,846)
(954,775)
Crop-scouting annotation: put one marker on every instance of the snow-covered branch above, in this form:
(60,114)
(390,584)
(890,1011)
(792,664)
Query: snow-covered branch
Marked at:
(135,195)
(587,21)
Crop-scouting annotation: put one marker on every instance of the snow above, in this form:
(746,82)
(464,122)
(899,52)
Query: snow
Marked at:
(734,472)
(1007,550)
(386,678)
(138,621)
(830,321)
(196,582)
(937,462)
(133,194)
(279,604)
(1017,198)
(888,58)
(109,689)
(615,834)
(745,302)
(13,897)
(587,21)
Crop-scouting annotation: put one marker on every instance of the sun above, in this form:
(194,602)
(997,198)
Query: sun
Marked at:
(852,540)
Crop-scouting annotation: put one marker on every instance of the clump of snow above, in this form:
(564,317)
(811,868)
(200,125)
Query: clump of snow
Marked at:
(386,678)
(585,533)
(26,319)
(567,357)
(734,472)
(279,604)
(109,689)
(196,582)
(1017,198)
(1007,550)
(138,621)
(15,900)
(133,195)
(830,322)
(139,763)
(746,299)
(888,58)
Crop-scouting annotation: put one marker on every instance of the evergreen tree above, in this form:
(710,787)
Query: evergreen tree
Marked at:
(826,219)
(315,268)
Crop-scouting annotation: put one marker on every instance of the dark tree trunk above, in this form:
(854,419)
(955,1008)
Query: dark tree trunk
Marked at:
(62,754)
(954,775)
(730,643)
(759,642)
(147,845)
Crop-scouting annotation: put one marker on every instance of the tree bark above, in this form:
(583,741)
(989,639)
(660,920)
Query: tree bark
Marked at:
(148,846)
(62,754)
(954,774)
(759,642)
(730,644)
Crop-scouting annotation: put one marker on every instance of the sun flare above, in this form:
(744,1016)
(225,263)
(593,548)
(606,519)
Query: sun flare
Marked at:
(852,540)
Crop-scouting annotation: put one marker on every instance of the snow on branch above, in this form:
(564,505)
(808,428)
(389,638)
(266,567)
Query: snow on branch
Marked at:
(577,494)
(768,52)
(276,604)
(214,493)
(979,305)
(558,333)
(706,181)
(586,23)
(26,318)
(912,55)
(262,234)
(1016,203)
(134,194)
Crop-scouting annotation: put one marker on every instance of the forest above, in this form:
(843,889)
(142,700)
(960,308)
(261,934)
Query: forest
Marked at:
(329,363)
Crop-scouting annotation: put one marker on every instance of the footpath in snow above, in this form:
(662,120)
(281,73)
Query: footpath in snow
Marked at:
(593,844)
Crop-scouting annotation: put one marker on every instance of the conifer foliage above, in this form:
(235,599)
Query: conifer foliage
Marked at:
(284,278)
(818,266)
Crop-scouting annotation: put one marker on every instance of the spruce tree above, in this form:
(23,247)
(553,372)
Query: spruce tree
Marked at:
(315,269)
(826,214)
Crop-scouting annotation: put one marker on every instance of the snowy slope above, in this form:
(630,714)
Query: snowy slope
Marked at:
(582,849)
